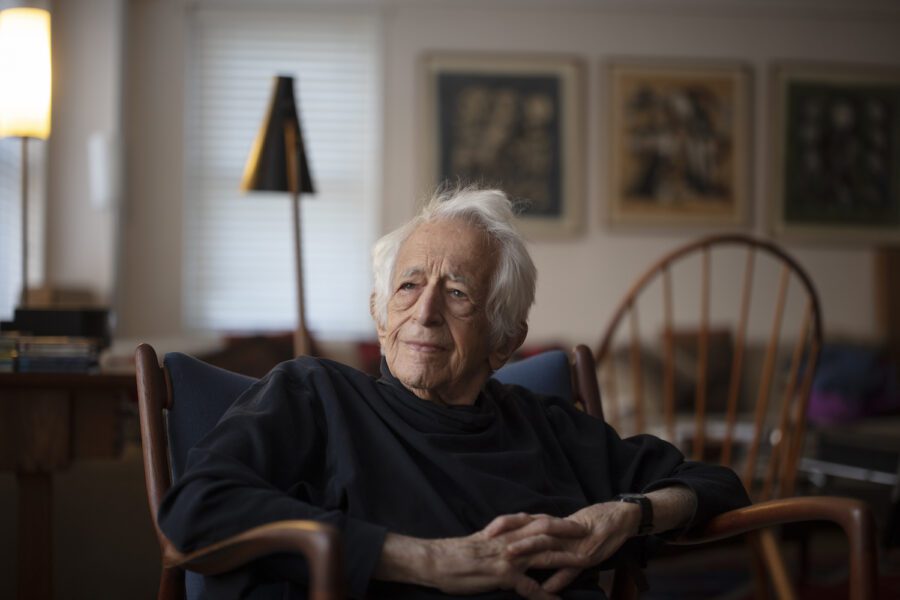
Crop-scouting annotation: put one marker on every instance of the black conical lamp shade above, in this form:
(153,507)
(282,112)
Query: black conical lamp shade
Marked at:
(267,165)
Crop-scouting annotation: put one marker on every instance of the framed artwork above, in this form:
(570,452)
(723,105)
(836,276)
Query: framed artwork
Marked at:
(836,140)
(680,144)
(512,122)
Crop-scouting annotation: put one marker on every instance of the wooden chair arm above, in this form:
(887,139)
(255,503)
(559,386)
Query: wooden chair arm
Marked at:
(854,517)
(319,543)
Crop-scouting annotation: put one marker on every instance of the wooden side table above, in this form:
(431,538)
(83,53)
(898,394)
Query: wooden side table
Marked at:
(47,420)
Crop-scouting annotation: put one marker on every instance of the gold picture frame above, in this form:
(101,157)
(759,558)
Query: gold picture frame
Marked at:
(836,159)
(510,121)
(679,135)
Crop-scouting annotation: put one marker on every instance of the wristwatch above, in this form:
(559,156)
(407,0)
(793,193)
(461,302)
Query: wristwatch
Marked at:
(643,501)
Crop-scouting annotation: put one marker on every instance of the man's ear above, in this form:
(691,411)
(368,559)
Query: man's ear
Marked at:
(379,329)
(498,357)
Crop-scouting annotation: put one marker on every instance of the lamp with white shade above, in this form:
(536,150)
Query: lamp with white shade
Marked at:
(25,86)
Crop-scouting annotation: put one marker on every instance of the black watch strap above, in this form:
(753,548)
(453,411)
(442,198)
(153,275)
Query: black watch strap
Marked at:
(643,501)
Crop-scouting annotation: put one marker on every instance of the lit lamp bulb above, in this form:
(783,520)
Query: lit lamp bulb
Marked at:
(25,73)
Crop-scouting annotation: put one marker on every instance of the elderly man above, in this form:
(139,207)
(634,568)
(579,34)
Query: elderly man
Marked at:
(441,480)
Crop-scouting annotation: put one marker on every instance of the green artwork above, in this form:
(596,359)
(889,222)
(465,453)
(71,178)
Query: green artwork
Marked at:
(842,165)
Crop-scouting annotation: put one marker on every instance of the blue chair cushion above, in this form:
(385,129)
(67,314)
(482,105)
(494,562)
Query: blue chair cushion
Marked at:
(547,373)
(202,393)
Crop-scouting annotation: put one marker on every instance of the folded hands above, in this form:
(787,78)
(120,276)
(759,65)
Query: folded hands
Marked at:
(500,555)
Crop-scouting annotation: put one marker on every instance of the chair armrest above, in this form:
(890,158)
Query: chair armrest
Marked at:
(319,543)
(854,517)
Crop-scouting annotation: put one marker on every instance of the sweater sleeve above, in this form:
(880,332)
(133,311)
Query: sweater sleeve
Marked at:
(608,465)
(266,460)
(646,463)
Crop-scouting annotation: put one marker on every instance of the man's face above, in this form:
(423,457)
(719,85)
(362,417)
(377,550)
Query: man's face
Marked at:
(436,339)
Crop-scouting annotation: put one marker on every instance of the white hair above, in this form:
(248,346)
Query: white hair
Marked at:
(512,286)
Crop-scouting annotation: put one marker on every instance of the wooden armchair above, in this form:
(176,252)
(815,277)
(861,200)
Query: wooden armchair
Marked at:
(178,404)
(756,421)
(853,516)
(201,393)
(712,398)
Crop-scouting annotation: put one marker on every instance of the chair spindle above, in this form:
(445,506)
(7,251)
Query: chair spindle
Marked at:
(765,384)
(781,446)
(737,362)
(637,378)
(702,362)
(669,352)
(800,415)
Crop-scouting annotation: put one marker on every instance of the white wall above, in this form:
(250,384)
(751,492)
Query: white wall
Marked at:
(87,83)
(579,280)
(150,292)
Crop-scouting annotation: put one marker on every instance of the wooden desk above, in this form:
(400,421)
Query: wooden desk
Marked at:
(46,422)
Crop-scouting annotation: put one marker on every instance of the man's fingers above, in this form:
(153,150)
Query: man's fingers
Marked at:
(557,559)
(556,527)
(559,580)
(535,543)
(505,523)
(535,525)
(527,587)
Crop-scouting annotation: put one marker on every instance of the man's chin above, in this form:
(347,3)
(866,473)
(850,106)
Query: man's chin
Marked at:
(418,382)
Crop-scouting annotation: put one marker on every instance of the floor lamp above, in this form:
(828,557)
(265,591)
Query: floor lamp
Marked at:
(25,94)
(277,163)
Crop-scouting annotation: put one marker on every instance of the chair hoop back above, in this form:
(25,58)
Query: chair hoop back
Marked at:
(767,444)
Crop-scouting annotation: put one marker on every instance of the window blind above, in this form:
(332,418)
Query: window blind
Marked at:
(10,227)
(239,262)
(11,219)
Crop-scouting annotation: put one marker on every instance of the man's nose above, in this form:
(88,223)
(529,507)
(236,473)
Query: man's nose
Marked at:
(428,306)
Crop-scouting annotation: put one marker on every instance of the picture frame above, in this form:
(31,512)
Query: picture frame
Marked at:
(679,135)
(836,160)
(510,121)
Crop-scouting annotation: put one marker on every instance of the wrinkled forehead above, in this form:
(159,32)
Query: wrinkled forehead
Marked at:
(455,248)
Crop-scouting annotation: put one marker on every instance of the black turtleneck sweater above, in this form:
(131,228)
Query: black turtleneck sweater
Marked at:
(315,439)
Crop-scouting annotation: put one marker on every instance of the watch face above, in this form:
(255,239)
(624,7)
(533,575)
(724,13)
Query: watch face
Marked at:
(636,498)
(641,500)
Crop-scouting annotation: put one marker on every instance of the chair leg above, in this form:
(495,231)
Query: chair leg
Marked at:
(774,558)
(171,584)
(624,587)
(760,573)
(804,560)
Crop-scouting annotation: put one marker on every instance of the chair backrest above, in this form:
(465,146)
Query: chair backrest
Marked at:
(554,373)
(546,373)
(184,399)
(179,403)
(735,332)
(204,393)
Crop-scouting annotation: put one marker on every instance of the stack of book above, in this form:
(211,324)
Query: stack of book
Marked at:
(49,354)
(7,354)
